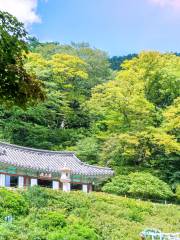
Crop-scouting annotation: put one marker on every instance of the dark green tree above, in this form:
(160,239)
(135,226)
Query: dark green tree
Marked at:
(16,85)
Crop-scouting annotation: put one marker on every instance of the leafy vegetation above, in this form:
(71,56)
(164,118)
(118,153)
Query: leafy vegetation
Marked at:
(139,184)
(16,85)
(79,216)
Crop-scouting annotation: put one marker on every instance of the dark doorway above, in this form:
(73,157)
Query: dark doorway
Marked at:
(14,181)
(45,183)
(76,187)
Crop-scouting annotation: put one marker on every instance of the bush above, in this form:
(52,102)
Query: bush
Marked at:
(12,203)
(36,197)
(142,185)
(119,185)
(74,232)
(149,186)
(8,231)
(51,220)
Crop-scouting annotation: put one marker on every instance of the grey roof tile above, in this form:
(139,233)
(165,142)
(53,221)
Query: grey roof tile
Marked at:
(44,160)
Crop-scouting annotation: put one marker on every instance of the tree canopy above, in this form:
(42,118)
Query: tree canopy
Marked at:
(16,85)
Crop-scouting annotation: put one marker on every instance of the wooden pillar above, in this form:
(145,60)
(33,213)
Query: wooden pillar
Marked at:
(26,181)
(90,187)
(2,180)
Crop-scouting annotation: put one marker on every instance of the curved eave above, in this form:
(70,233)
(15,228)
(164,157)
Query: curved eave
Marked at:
(48,161)
(25,167)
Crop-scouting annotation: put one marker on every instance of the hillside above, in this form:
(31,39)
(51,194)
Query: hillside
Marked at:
(41,214)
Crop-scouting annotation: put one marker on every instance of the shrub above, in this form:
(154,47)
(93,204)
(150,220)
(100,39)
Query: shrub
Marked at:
(12,203)
(149,186)
(35,234)
(51,220)
(7,231)
(119,185)
(74,232)
(143,185)
(36,197)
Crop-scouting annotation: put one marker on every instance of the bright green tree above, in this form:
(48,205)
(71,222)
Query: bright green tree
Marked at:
(171,121)
(160,74)
(120,104)
(98,66)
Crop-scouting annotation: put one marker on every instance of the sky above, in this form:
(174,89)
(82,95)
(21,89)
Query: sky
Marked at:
(119,27)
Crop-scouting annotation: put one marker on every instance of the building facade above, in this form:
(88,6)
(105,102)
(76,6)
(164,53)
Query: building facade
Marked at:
(23,167)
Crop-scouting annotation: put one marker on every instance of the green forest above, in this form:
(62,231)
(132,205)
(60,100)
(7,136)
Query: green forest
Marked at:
(73,97)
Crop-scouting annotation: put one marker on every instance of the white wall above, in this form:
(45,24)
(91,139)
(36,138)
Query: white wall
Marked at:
(85,188)
(20,181)
(2,180)
(34,182)
(55,185)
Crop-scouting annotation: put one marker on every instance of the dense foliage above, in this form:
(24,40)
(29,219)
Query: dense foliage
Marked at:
(12,203)
(139,184)
(16,85)
(79,216)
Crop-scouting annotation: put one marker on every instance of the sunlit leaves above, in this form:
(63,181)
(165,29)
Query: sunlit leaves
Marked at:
(160,74)
(171,121)
(121,103)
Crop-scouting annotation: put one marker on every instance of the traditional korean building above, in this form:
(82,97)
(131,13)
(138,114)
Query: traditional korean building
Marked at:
(23,167)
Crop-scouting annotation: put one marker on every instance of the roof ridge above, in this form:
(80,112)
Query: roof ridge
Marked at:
(35,149)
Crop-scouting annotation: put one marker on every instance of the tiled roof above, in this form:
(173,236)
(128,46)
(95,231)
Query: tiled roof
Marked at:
(45,160)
